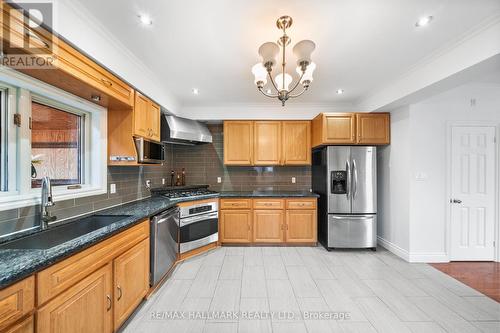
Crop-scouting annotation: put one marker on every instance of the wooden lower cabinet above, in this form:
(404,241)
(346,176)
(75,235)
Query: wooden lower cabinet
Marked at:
(268,226)
(25,326)
(301,226)
(271,221)
(16,301)
(84,307)
(236,226)
(131,281)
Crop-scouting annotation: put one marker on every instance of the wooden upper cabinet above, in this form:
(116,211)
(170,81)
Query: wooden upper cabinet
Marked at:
(268,226)
(373,128)
(267,143)
(25,326)
(236,226)
(350,129)
(334,128)
(141,115)
(155,114)
(131,281)
(238,142)
(84,307)
(72,70)
(296,140)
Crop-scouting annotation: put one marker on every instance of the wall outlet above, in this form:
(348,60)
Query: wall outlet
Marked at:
(148,183)
(293,180)
(219,180)
(163,181)
(112,188)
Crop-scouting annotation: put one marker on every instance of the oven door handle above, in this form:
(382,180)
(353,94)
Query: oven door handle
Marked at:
(189,220)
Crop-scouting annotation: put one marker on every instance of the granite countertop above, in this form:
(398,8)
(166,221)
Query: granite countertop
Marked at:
(16,264)
(268,194)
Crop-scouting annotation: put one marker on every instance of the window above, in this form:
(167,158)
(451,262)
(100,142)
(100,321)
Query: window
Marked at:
(55,134)
(56,145)
(3,141)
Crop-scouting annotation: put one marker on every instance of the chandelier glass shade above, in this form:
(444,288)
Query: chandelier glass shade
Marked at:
(283,82)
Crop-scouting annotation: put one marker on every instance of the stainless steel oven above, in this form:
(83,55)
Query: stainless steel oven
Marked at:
(149,151)
(199,225)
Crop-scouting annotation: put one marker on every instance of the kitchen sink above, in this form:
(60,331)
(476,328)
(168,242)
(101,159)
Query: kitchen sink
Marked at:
(60,234)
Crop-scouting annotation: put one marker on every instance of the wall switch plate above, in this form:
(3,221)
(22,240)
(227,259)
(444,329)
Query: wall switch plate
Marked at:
(219,180)
(112,188)
(148,183)
(293,180)
(163,181)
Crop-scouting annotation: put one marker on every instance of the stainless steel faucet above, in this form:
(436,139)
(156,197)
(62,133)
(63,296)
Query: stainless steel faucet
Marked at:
(46,203)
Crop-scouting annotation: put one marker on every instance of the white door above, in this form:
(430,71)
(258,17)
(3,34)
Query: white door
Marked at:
(472,192)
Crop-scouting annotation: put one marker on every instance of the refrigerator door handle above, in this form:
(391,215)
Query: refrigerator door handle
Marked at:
(348,180)
(355,174)
(351,217)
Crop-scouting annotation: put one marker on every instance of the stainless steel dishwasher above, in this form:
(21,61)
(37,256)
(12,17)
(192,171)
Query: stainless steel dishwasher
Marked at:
(164,243)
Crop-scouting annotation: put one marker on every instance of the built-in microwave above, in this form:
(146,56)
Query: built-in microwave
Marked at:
(149,151)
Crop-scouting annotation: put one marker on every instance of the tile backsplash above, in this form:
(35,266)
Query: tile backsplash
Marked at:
(203,164)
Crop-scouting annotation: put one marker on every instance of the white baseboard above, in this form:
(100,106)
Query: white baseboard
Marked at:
(391,247)
(426,257)
(429,257)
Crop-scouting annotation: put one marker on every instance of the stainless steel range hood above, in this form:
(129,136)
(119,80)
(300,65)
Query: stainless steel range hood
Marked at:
(183,131)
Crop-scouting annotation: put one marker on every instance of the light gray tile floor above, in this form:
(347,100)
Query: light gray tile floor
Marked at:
(299,289)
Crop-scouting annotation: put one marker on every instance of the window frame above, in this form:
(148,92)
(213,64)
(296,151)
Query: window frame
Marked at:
(22,90)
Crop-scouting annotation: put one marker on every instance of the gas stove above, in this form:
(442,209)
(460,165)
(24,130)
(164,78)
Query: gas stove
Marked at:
(183,192)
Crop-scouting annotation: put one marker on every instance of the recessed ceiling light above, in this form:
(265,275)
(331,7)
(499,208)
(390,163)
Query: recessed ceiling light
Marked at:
(195,91)
(340,91)
(268,91)
(145,19)
(423,21)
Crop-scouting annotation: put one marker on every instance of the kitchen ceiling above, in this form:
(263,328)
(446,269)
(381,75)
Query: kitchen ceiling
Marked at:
(362,45)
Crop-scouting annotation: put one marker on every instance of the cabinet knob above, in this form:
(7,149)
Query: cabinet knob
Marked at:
(107,82)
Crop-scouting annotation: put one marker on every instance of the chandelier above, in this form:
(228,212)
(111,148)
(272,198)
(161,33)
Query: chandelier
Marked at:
(281,83)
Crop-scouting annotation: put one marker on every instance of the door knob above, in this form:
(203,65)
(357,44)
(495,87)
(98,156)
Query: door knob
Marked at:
(457,201)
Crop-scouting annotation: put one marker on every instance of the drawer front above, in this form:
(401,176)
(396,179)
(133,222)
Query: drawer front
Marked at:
(57,278)
(267,203)
(26,326)
(16,301)
(301,204)
(235,203)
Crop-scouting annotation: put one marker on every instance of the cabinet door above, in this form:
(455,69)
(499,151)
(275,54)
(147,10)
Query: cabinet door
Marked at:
(131,280)
(296,139)
(141,116)
(301,226)
(267,143)
(268,226)
(236,226)
(238,142)
(155,113)
(339,128)
(373,128)
(84,307)
(16,301)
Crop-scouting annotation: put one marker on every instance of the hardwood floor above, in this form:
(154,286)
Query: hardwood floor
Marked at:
(482,276)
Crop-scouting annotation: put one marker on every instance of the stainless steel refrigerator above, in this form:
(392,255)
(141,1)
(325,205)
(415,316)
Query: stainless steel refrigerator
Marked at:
(345,177)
